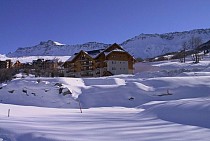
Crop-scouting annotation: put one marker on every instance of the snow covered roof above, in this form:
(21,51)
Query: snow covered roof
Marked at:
(71,58)
(95,53)
(115,50)
(118,50)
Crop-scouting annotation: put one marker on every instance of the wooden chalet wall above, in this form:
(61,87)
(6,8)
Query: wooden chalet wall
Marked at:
(84,65)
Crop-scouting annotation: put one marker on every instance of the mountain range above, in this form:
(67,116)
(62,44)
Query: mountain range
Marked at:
(143,45)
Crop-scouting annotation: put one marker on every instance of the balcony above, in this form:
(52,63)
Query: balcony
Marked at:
(83,59)
(87,74)
(70,71)
(86,64)
(87,70)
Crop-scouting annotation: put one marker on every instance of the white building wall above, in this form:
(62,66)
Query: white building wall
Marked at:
(117,67)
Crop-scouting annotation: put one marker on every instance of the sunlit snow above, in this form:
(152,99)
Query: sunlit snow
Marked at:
(162,101)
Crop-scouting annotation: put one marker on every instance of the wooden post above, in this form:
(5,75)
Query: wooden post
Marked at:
(8,112)
(80,106)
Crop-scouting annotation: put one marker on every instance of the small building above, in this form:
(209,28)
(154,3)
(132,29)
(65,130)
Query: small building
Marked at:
(42,64)
(50,64)
(38,64)
(18,64)
(5,64)
(111,61)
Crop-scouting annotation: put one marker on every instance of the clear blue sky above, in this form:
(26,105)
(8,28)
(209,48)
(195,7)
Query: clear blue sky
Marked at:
(27,22)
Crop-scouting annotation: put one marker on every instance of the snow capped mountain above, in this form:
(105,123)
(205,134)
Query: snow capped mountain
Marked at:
(52,48)
(144,45)
(151,45)
(51,43)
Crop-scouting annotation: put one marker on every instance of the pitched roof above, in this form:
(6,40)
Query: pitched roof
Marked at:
(77,54)
(112,46)
(71,58)
(95,53)
(115,50)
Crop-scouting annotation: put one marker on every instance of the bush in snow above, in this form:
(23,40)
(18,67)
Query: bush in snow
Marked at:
(12,91)
(7,74)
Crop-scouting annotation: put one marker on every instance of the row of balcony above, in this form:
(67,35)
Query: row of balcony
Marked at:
(83,70)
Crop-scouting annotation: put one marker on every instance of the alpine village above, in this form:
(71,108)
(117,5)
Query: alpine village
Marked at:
(96,63)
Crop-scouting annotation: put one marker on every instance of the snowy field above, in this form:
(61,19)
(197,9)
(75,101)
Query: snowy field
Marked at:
(28,59)
(163,101)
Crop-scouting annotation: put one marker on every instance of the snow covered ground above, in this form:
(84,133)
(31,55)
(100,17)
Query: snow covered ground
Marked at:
(163,101)
(113,123)
(27,59)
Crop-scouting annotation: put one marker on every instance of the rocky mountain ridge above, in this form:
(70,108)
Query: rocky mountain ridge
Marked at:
(143,45)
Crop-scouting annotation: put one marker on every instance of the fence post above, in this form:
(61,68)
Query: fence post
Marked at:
(8,112)
(80,106)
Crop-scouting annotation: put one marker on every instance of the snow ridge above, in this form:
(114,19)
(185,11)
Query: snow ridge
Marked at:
(152,45)
(52,48)
(143,45)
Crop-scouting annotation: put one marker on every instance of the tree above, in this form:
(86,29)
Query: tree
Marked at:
(196,58)
(184,48)
(139,59)
(7,74)
(194,42)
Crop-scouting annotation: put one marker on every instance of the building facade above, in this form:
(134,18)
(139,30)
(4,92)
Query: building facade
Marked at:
(5,64)
(111,61)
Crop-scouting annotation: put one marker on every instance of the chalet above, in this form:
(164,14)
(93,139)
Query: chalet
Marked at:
(5,64)
(42,64)
(18,64)
(113,60)
(50,64)
(38,64)
(28,65)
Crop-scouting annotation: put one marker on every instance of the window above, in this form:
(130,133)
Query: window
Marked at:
(113,68)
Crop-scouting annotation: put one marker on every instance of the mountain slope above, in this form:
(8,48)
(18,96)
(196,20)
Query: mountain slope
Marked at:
(151,45)
(144,45)
(52,48)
